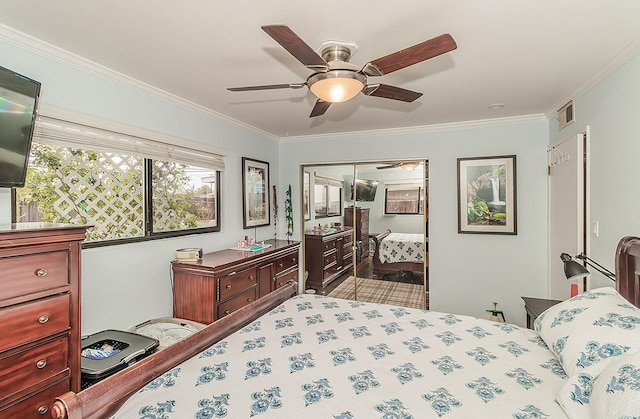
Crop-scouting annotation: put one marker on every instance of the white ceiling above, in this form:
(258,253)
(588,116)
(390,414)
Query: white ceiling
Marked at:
(530,55)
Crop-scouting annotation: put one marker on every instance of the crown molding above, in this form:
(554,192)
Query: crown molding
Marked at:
(449,126)
(54,53)
(608,67)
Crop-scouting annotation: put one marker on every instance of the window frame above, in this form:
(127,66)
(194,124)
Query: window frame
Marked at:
(330,189)
(148,207)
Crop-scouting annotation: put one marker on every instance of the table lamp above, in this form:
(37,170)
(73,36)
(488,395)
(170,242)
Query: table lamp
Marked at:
(573,270)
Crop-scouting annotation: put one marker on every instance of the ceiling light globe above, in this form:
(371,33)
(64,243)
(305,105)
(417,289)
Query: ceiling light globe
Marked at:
(337,85)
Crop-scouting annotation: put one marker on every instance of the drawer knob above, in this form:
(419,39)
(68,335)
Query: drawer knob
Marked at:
(41,364)
(251,277)
(226,312)
(249,300)
(281,264)
(229,286)
(43,409)
(41,272)
(43,319)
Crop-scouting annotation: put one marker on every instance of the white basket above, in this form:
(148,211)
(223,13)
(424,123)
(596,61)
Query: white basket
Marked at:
(168,330)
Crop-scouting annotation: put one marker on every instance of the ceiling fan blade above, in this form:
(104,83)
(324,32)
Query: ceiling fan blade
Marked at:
(392,166)
(296,46)
(391,92)
(267,87)
(409,56)
(319,108)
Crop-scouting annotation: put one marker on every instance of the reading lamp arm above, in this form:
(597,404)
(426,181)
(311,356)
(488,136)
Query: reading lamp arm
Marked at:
(595,265)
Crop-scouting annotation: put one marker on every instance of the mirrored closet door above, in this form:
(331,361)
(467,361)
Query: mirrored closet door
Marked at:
(366,231)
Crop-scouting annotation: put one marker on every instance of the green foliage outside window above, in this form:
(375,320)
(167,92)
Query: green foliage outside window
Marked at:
(106,190)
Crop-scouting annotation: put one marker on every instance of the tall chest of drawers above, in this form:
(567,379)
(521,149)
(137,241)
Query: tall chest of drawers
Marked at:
(39,316)
(360,226)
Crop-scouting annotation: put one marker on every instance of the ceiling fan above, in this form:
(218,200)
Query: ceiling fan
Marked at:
(404,165)
(335,79)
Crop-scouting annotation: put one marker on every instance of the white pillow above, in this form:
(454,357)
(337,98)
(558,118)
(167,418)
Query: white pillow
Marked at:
(614,393)
(589,330)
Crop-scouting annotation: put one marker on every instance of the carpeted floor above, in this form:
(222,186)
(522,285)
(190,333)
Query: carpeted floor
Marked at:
(378,291)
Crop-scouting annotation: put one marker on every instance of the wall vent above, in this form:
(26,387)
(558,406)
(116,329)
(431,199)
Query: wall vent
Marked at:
(566,115)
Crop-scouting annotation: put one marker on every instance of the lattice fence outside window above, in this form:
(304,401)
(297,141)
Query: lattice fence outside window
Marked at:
(101,189)
(106,190)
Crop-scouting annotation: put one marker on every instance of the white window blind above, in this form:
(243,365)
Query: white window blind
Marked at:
(328,182)
(65,133)
(402,186)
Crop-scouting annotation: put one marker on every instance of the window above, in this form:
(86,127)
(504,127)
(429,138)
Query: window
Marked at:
(126,194)
(327,197)
(183,197)
(403,199)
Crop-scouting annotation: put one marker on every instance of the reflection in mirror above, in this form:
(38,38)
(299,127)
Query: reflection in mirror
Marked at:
(366,238)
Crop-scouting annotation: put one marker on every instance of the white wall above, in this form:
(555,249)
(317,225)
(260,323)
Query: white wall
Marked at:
(611,109)
(467,271)
(124,285)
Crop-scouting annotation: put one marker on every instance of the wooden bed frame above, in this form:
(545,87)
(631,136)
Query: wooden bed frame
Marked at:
(105,398)
(381,269)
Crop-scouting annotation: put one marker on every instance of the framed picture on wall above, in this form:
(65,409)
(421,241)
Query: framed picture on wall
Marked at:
(255,193)
(487,195)
(306,196)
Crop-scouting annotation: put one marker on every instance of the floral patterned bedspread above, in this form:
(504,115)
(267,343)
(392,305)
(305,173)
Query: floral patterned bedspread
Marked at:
(402,247)
(321,357)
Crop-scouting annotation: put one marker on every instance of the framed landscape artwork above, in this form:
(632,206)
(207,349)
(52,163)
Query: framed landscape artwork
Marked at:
(487,195)
(255,193)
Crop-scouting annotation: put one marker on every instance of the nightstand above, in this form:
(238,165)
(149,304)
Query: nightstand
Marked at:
(535,306)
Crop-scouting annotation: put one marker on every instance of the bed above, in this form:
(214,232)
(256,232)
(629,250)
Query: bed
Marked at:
(399,252)
(313,356)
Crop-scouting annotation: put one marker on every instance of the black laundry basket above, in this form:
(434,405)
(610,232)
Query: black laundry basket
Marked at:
(107,352)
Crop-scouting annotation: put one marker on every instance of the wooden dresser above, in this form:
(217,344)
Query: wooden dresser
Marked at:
(327,256)
(227,280)
(40,316)
(360,227)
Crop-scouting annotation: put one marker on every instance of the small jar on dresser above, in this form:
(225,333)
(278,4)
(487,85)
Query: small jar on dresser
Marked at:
(40,316)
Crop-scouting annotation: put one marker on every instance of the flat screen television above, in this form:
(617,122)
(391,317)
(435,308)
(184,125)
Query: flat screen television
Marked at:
(18,104)
(365,190)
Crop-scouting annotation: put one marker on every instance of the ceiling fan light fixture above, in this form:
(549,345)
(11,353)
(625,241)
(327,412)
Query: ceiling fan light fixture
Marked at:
(409,166)
(336,86)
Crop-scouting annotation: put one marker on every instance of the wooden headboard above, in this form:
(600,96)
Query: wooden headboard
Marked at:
(628,269)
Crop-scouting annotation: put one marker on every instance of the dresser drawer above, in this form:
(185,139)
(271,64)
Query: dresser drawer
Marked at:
(33,320)
(33,272)
(348,239)
(237,282)
(39,405)
(237,302)
(282,279)
(330,259)
(328,245)
(33,365)
(347,260)
(330,271)
(285,262)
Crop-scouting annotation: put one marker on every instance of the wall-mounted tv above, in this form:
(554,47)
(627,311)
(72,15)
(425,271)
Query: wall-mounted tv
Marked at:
(365,190)
(18,104)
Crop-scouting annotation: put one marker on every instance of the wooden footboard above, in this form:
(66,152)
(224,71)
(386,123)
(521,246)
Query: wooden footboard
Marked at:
(105,398)
(381,269)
